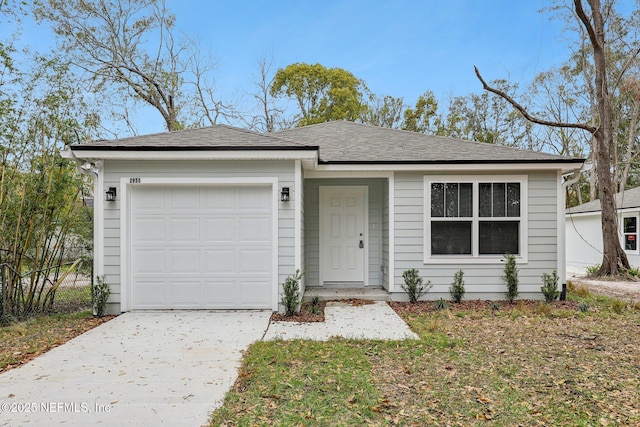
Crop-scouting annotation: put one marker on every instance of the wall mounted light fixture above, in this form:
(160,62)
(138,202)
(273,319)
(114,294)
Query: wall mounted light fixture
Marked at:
(111,194)
(284,194)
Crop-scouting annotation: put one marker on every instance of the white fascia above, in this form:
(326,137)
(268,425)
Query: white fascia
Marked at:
(303,155)
(457,167)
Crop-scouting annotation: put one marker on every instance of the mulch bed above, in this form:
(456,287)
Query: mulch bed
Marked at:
(475,305)
(305,314)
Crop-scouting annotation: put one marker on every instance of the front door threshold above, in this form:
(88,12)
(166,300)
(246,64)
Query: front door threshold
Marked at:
(334,293)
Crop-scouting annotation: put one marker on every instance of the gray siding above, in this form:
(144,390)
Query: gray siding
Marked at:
(312,226)
(114,170)
(481,280)
(385,236)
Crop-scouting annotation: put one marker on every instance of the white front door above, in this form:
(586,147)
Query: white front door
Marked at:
(343,237)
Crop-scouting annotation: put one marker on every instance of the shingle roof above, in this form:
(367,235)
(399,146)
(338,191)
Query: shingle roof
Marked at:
(336,142)
(218,137)
(624,200)
(348,142)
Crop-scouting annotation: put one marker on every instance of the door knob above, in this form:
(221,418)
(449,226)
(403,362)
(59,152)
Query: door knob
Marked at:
(361,244)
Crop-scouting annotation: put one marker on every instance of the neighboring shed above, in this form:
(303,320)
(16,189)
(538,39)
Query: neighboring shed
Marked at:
(584,230)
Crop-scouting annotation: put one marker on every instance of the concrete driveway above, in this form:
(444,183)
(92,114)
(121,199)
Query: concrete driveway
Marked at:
(140,369)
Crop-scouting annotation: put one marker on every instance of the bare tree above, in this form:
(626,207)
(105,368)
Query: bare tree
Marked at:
(130,47)
(614,260)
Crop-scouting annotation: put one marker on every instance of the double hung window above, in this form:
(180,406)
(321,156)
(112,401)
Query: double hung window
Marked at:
(479,218)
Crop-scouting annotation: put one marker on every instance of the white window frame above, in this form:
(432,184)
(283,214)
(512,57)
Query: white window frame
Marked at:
(475,257)
(623,234)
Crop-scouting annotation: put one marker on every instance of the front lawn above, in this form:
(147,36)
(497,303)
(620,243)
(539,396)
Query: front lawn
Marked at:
(22,341)
(475,364)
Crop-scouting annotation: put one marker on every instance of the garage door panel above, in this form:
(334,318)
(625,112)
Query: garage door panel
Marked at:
(220,293)
(254,261)
(254,229)
(220,261)
(147,230)
(184,229)
(183,261)
(253,293)
(219,199)
(254,200)
(151,200)
(204,247)
(185,293)
(147,261)
(149,294)
(220,229)
(183,199)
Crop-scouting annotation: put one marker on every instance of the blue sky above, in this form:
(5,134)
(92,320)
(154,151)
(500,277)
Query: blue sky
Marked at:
(400,48)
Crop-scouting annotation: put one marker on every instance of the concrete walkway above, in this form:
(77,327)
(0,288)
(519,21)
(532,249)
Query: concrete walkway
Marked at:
(375,321)
(168,368)
(139,369)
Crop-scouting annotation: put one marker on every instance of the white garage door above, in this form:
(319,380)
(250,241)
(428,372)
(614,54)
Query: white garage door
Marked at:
(201,247)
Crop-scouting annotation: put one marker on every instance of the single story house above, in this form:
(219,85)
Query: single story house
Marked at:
(219,217)
(584,230)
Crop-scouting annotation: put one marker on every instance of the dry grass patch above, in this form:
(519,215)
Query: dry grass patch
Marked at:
(20,342)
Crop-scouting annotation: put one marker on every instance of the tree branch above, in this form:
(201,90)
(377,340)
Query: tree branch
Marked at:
(526,114)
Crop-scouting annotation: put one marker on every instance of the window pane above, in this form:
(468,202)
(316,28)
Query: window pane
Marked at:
(484,195)
(513,199)
(630,225)
(437,199)
(499,199)
(466,200)
(499,237)
(451,200)
(630,243)
(451,237)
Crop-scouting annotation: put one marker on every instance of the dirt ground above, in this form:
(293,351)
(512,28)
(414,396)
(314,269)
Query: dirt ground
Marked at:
(623,290)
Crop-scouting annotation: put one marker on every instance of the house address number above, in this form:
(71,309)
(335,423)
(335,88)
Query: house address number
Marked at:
(134,180)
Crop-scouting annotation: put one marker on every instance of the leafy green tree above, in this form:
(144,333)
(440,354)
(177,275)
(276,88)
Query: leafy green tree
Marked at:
(385,112)
(421,118)
(321,94)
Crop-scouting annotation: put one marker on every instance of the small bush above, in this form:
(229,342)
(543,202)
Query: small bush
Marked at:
(315,305)
(634,271)
(581,291)
(100,295)
(440,304)
(291,295)
(618,305)
(544,308)
(457,287)
(593,269)
(550,286)
(511,277)
(414,286)
(583,307)
(495,306)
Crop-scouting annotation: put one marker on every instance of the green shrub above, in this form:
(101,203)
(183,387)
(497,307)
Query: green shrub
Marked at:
(618,305)
(550,286)
(291,295)
(593,269)
(634,271)
(495,306)
(457,287)
(315,305)
(511,277)
(100,295)
(413,285)
(440,304)
(583,307)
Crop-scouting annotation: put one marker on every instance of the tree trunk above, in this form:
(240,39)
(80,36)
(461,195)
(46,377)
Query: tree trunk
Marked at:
(614,259)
